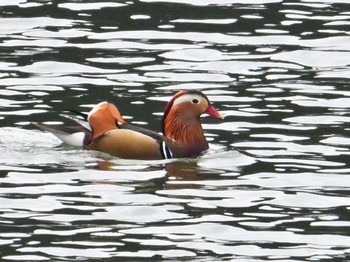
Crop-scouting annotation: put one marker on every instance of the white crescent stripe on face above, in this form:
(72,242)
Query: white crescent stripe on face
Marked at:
(187,98)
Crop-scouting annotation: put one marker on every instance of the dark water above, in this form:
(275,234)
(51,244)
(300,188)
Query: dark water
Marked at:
(273,186)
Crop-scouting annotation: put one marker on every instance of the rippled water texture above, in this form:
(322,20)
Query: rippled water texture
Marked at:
(275,183)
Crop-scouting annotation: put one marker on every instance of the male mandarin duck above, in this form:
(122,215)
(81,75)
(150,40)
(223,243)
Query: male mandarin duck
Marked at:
(182,137)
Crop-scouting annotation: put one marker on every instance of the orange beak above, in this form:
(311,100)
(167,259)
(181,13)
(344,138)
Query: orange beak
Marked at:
(213,112)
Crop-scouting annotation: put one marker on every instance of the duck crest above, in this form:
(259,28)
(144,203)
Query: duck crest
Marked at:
(168,108)
(103,118)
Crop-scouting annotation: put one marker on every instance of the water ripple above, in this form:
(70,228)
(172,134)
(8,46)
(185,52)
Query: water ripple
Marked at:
(274,183)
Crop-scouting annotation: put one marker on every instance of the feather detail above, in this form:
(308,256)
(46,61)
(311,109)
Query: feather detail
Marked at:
(74,136)
(185,129)
(103,118)
(105,130)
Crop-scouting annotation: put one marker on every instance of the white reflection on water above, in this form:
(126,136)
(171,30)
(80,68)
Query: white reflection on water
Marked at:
(216,2)
(315,58)
(70,252)
(21,24)
(315,244)
(273,186)
(205,21)
(26,147)
(89,6)
(60,68)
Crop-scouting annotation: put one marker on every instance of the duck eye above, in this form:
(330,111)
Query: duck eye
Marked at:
(195,101)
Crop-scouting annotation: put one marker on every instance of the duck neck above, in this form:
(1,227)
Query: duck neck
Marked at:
(184,128)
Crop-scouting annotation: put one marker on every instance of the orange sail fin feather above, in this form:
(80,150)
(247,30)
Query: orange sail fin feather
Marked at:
(182,136)
(103,118)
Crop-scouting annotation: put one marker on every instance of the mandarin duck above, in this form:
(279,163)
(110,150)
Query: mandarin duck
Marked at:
(107,131)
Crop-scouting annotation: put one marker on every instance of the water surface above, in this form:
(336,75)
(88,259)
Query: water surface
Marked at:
(274,184)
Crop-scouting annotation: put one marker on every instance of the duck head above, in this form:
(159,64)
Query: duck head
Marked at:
(181,120)
(104,117)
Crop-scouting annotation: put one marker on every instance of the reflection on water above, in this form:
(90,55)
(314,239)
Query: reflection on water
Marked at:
(274,184)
